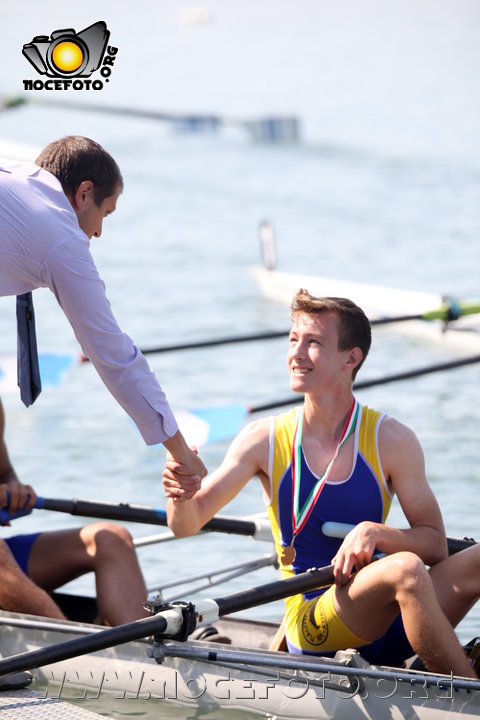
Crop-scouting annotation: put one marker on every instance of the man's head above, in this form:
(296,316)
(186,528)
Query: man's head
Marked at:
(89,176)
(352,324)
(74,159)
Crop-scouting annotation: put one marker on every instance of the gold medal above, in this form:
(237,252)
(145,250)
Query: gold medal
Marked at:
(288,555)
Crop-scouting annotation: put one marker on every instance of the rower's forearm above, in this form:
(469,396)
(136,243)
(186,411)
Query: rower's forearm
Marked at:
(182,518)
(429,543)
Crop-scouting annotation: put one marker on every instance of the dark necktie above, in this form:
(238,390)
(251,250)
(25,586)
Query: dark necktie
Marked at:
(28,373)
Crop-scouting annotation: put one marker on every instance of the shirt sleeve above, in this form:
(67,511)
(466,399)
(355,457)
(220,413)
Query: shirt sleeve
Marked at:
(74,279)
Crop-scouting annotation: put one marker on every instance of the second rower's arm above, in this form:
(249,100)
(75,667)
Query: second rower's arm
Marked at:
(246,457)
(13,493)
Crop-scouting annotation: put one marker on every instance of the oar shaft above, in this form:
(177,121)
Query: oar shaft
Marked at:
(408,374)
(439,314)
(212,342)
(83,645)
(140,514)
(311,580)
(170,621)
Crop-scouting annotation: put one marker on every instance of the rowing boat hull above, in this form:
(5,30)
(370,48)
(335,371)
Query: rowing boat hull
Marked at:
(285,686)
(378,302)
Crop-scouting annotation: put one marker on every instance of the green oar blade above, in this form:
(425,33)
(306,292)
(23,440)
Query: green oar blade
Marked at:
(452,310)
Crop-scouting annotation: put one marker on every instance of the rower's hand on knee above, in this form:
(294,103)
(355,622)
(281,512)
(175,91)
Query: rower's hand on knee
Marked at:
(177,483)
(354,553)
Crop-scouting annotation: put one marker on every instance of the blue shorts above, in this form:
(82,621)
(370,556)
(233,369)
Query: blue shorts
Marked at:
(20,547)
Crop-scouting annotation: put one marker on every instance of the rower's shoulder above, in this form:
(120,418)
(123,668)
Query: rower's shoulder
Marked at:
(256,432)
(395,434)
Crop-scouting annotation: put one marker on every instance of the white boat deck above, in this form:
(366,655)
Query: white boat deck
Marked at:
(28,704)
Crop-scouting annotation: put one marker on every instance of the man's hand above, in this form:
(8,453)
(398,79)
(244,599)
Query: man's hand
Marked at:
(188,464)
(177,483)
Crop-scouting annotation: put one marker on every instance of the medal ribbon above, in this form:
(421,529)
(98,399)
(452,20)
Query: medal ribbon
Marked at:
(301,515)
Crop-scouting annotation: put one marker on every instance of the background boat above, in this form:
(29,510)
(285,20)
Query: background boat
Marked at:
(382,303)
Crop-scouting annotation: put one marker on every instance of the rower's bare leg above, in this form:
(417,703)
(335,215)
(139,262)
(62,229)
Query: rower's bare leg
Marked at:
(457,583)
(104,548)
(371,601)
(19,594)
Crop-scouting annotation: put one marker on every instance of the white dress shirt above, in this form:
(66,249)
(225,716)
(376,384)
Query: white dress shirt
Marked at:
(42,245)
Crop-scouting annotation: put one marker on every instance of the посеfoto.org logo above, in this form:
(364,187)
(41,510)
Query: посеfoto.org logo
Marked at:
(69,56)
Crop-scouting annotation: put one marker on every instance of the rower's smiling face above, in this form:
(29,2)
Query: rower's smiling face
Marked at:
(314,360)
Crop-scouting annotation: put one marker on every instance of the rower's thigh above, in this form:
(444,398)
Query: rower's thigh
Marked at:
(57,557)
(368,604)
(457,582)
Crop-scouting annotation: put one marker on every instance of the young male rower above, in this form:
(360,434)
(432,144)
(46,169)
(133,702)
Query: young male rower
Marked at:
(334,460)
(34,564)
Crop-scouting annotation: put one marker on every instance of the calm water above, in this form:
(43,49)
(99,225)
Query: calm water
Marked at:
(384,187)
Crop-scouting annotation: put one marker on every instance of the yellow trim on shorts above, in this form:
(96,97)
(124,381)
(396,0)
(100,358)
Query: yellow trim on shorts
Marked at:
(314,625)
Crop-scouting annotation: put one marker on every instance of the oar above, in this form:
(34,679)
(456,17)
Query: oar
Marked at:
(280,129)
(91,643)
(257,526)
(53,366)
(174,621)
(339,530)
(449,311)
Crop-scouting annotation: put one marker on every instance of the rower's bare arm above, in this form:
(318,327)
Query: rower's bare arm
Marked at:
(246,457)
(404,467)
(12,492)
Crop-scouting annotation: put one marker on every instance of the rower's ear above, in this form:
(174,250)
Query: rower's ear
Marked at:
(355,357)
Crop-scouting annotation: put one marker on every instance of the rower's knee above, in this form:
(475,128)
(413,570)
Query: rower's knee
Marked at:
(104,540)
(408,574)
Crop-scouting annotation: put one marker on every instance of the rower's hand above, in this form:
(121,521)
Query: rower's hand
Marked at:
(16,496)
(355,552)
(177,483)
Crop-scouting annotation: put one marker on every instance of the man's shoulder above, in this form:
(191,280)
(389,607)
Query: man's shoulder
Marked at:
(18,167)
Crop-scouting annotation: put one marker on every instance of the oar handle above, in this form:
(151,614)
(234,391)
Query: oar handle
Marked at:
(6,516)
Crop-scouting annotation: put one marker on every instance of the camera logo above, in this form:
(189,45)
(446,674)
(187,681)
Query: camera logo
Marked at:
(69,56)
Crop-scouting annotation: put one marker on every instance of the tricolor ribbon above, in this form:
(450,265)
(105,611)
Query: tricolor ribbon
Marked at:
(301,515)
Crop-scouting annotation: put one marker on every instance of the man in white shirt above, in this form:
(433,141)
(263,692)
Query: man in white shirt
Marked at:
(49,211)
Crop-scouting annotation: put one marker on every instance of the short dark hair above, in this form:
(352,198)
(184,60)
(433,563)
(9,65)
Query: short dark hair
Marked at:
(354,328)
(74,158)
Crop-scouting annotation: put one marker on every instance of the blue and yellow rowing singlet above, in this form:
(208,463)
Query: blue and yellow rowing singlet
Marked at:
(363,495)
